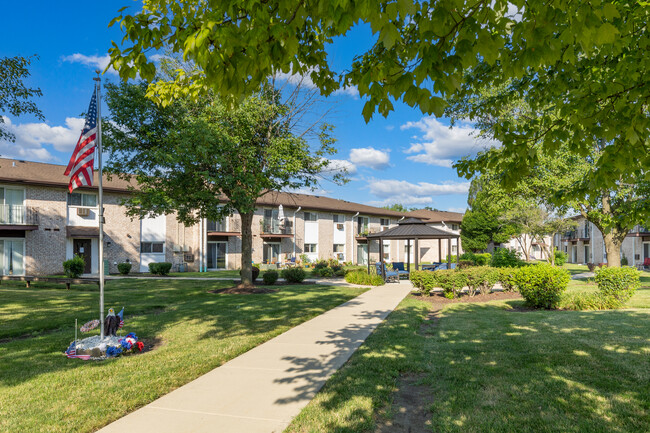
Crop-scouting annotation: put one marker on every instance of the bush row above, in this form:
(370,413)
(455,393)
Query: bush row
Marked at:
(477,279)
(361,277)
(161,268)
(615,287)
(328,268)
(501,258)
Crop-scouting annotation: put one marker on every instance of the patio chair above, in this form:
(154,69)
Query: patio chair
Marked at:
(291,262)
(646,264)
(442,267)
(399,267)
(391,276)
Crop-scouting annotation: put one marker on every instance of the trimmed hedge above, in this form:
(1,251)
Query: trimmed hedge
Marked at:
(161,268)
(425,281)
(124,268)
(618,283)
(362,277)
(505,258)
(270,277)
(294,275)
(560,257)
(74,267)
(481,279)
(507,279)
(542,285)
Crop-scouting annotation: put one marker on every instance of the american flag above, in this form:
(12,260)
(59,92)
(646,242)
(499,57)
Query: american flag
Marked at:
(80,167)
(72,353)
(121,316)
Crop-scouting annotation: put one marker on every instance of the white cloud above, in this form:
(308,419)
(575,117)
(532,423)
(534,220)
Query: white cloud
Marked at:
(99,62)
(340,165)
(369,157)
(440,145)
(400,191)
(306,81)
(31,137)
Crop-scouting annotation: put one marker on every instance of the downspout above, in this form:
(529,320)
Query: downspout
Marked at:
(201,245)
(204,244)
(352,243)
(294,230)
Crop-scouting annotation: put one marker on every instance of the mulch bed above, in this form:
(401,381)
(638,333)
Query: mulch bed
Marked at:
(438,298)
(244,291)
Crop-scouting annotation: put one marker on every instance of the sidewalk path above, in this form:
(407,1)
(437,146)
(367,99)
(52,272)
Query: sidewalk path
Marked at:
(263,389)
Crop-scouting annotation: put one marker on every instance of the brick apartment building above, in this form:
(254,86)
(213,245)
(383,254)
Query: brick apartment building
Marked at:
(42,225)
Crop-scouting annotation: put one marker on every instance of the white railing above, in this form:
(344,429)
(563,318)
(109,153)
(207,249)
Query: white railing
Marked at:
(13,214)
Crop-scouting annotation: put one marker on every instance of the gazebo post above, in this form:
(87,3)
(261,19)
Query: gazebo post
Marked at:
(368,258)
(381,258)
(417,253)
(449,252)
(408,255)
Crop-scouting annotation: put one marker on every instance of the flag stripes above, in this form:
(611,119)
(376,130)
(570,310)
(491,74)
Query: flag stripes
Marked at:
(80,167)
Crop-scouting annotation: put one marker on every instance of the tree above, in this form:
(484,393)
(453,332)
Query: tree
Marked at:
(583,64)
(202,159)
(14,94)
(480,227)
(397,207)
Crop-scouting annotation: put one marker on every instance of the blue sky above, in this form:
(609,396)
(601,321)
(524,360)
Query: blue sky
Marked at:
(404,158)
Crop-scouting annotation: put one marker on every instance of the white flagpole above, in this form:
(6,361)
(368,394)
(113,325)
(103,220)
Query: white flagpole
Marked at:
(98,89)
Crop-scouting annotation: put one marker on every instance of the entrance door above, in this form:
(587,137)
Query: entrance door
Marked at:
(217,255)
(11,257)
(587,258)
(271,253)
(82,248)
(362,254)
(574,254)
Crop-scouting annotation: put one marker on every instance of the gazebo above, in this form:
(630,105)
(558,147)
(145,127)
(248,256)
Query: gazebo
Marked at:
(411,229)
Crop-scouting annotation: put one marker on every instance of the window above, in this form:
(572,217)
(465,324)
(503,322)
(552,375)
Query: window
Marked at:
(384,221)
(454,249)
(339,248)
(81,199)
(338,218)
(310,248)
(311,216)
(362,225)
(454,226)
(386,250)
(152,247)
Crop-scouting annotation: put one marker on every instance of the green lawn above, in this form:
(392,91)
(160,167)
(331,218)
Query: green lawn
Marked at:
(490,368)
(194,331)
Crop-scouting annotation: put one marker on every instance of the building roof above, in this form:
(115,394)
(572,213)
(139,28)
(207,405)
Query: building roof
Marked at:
(412,228)
(436,216)
(38,173)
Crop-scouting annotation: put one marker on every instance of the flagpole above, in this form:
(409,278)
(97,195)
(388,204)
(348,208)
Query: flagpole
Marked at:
(98,89)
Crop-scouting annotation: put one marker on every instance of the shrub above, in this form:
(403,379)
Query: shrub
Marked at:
(541,285)
(294,275)
(74,267)
(618,283)
(425,281)
(340,273)
(320,264)
(588,301)
(468,256)
(624,261)
(591,266)
(324,272)
(452,282)
(463,264)
(506,278)
(270,277)
(161,268)
(361,277)
(124,268)
(506,258)
(560,257)
(480,279)
(256,273)
(482,259)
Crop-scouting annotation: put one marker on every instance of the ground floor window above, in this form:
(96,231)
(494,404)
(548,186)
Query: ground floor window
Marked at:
(387,250)
(217,255)
(339,251)
(271,252)
(362,254)
(12,256)
(310,248)
(152,247)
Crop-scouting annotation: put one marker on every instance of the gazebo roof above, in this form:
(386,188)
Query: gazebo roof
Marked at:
(412,228)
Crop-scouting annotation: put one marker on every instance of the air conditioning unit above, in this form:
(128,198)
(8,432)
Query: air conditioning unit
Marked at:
(339,226)
(83,211)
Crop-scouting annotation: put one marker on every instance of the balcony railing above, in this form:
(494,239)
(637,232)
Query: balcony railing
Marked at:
(570,235)
(274,227)
(17,215)
(585,233)
(232,226)
(362,229)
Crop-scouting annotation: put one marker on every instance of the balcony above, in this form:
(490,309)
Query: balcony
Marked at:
(225,227)
(272,228)
(18,217)
(640,231)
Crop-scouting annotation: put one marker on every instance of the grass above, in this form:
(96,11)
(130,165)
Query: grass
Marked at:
(490,367)
(194,331)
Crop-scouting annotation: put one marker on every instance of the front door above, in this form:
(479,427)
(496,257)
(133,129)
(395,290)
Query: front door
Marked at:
(271,253)
(11,257)
(362,254)
(217,255)
(82,248)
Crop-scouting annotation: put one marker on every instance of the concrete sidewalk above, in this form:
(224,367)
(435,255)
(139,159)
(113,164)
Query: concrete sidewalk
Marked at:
(263,389)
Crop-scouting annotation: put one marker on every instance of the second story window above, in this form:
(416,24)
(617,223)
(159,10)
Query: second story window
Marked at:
(82,199)
(152,247)
(311,216)
(384,221)
(454,226)
(338,218)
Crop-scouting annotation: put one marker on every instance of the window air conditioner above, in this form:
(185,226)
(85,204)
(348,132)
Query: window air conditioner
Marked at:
(83,211)
(339,226)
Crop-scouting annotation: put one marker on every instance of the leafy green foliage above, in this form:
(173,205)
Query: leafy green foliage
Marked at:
(561,257)
(507,278)
(124,268)
(161,268)
(618,283)
(14,94)
(504,257)
(362,277)
(270,277)
(480,227)
(295,274)
(425,281)
(480,279)
(74,267)
(541,285)
(452,282)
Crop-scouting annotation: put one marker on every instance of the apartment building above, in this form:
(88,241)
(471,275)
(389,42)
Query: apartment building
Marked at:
(42,224)
(436,250)
(585,244)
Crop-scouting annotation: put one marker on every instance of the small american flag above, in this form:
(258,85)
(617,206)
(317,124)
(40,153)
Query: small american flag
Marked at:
(72,353)
(121,316)
(80,167)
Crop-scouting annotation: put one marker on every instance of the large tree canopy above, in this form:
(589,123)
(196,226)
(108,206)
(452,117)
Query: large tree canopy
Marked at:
(15,96)
(582,64)
(190,156)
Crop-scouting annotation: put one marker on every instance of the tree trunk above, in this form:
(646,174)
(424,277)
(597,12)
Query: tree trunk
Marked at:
(246,250)
(613,243)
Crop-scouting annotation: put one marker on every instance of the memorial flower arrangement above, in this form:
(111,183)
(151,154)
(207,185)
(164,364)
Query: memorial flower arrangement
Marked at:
(128,344)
